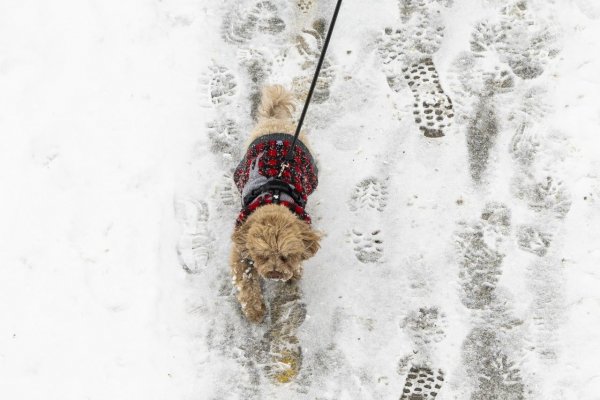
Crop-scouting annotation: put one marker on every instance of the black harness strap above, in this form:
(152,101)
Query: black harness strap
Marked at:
(276,187)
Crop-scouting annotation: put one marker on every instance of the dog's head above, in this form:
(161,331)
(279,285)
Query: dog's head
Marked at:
(277,241)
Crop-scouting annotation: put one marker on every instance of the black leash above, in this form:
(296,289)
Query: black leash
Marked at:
(290,154)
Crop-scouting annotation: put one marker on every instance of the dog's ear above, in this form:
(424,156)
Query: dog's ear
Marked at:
(240,236)
(311,240)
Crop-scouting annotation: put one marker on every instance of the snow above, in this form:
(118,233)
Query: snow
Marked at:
(122,120)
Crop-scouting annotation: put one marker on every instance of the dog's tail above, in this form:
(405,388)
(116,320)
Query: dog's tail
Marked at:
(276,102)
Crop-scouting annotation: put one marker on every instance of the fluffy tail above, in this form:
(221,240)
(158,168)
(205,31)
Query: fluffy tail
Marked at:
(276,102)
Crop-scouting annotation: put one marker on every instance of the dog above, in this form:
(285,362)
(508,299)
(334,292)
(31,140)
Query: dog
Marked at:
(273,233)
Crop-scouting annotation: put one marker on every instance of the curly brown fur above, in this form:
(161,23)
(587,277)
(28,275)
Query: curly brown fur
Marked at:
(275,239)
(277,103)
(277,242)
(275,113)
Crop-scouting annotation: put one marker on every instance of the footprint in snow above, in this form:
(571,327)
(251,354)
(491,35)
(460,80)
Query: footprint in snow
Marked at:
(309,44)
(479,267)
(432,108)
(196,244)
(525,43)
(481,138)
(284,353)
(370,193)
(495,376)
(422,383)
(241,24)
(531,239)
(425,325)
(225,140)
(305,5)
(367,246)
(219,85)
(547,196)
(226,193)
(258,66)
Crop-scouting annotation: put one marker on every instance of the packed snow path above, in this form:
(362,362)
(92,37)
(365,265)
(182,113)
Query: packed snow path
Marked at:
(459,198)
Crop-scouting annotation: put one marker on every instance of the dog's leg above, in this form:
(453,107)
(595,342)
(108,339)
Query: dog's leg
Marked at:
(246,281)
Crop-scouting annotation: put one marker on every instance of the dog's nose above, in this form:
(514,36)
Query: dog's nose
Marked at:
(274,275)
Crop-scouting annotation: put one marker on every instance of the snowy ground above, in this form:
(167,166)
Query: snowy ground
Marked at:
(469,259)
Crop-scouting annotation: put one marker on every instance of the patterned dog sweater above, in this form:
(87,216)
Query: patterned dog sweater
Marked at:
(262,165)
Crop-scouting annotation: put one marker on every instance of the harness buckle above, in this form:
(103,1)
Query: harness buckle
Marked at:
(284,165)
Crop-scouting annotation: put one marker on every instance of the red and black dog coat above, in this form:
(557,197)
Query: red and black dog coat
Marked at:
(260,179)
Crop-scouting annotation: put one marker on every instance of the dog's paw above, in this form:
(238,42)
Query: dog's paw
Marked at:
(254,311)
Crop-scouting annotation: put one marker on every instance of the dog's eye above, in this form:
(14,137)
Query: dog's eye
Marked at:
(260,258)
(283,259)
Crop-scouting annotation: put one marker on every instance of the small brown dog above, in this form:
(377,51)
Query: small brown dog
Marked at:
(273,234)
